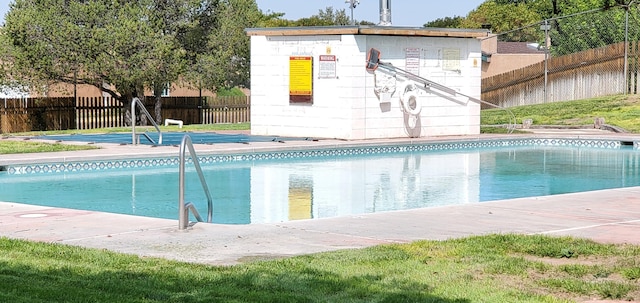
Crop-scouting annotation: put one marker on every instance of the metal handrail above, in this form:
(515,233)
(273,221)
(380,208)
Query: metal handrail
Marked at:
(183,208)
(134,137)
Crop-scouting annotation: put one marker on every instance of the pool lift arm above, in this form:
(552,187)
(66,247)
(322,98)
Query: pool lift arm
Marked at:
(373,63)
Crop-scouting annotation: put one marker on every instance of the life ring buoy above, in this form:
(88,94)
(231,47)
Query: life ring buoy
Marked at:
(409,100)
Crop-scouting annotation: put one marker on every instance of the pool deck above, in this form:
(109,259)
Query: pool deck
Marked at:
(608,216)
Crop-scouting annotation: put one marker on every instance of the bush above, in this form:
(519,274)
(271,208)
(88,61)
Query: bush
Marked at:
(231,92)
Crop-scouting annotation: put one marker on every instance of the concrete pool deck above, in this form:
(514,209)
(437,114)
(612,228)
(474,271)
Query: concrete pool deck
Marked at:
(608,216)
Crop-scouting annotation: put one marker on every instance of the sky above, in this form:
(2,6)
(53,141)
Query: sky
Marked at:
(412,13)
(4,7)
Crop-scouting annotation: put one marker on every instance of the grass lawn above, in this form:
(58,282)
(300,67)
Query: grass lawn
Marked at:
(620,110)
(16,147)
(493,268)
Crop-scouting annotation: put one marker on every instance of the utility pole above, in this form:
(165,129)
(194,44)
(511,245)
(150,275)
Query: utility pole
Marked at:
(352,5)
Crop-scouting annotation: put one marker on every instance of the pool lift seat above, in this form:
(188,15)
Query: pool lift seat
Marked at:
(373,63)
(184,208)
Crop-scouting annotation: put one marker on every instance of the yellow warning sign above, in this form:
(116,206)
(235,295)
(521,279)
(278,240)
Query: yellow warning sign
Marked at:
(300,78)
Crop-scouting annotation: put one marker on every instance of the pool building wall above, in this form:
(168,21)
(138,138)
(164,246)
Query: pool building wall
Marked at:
(312,82)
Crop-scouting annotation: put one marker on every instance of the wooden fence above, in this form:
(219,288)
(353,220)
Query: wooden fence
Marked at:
(226,110)
(41,114)
(587,74)
(20,115)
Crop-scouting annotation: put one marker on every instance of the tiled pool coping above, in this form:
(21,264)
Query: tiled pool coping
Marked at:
(311,152)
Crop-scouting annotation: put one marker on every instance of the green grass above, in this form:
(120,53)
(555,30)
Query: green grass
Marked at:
(17,147)
(620,110)
(493,268)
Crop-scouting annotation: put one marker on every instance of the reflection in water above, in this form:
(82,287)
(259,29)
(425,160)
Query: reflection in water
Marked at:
(349,186)
(275,191)
(300,197)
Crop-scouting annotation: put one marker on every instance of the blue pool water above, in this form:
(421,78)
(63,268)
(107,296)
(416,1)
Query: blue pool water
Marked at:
(276,188)
(170,138)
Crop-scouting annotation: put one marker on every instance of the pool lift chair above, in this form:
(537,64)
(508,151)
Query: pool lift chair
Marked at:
(408,95)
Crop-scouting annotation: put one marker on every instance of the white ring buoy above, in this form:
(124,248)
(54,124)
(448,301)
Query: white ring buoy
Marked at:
(409,100)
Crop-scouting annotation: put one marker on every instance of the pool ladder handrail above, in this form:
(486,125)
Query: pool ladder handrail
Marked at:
(184,208)
(135,138)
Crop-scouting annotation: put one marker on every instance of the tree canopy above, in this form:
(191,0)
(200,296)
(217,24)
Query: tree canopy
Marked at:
(124,47)
(574,25)
(327,17)
(504,17)
(216,45)
(446,22)
(89,42)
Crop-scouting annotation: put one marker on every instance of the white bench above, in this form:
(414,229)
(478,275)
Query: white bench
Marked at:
(172,121)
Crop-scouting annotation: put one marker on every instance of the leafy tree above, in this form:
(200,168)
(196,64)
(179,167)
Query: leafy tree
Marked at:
(169,16)
(326,17)
(216,45)
(575,25)
(110,44)
(446,22)
(232,92)
(504,18)
(271,19)
(604,26)
(336,17)
(126,47)
(364,22)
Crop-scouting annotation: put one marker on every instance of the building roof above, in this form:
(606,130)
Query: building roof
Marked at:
(517,48)
(369,30)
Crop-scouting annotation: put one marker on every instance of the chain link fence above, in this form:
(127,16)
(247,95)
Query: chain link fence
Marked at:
(579,56)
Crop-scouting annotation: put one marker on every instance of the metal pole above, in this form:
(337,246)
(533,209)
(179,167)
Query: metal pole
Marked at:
(183,215)
(133,121)
(546,73)
(546,58)
(626,47)
(353,22)
(352,5)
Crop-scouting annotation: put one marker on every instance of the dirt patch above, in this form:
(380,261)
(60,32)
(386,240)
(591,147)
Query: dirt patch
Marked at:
(596,270)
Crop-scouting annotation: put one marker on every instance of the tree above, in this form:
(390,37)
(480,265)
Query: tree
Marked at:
(114,45)
(216,46)
(334,17)
(168,16)
(446,22)
(591,29)
(271,19)
(575,25)
(326,17)
(504,18)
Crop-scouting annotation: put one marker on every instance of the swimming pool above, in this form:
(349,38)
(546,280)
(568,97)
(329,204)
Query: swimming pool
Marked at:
(170,138)
(307,184)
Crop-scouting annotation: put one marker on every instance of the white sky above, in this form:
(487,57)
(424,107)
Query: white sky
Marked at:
(413,13)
